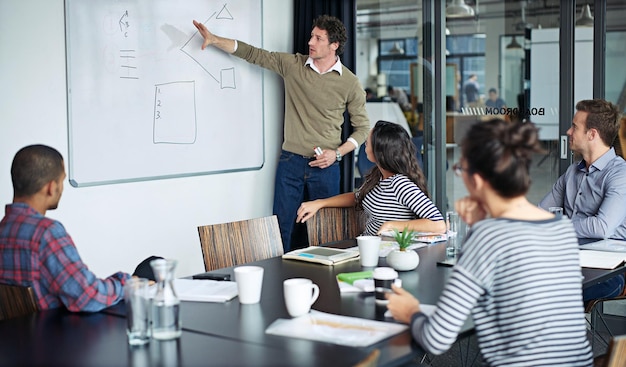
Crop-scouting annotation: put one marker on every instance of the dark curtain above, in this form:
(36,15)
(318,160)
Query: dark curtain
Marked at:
(304,13)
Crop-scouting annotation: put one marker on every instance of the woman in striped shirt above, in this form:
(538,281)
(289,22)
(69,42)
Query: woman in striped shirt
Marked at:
(394,193)
(518,277)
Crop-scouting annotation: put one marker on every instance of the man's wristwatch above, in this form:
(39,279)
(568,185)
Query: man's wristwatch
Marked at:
(339,156)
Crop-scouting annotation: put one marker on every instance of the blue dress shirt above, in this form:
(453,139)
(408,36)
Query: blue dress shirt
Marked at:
(595,198)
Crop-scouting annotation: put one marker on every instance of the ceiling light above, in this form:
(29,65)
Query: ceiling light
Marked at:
(585,19)
(458,9)
(513,45)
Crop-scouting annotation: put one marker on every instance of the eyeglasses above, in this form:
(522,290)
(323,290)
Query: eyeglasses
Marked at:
(457,169)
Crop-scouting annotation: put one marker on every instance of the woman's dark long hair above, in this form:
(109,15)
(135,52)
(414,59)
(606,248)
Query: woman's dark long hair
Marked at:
(394,152)
(501,152)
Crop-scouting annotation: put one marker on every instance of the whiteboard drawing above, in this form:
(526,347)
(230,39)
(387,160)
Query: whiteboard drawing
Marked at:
(175,113)
(146,102)
(226,75)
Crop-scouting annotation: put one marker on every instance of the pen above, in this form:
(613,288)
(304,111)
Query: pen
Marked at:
(318,150)
(207,276)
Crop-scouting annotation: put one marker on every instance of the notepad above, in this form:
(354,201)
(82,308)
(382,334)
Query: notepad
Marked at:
(601,259)
(205,290)
(606,245)
(322,255)
(360,281)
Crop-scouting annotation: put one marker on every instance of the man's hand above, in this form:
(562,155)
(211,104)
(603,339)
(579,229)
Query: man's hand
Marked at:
(324,160)
(208,36)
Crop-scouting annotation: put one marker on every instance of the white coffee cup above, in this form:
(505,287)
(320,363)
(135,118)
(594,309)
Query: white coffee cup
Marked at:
(249,283)
(300,294)
(369,249)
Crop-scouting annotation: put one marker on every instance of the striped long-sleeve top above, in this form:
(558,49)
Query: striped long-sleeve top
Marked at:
(397,198)
(521,283)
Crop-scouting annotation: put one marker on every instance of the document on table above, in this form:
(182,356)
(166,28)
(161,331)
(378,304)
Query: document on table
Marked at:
(336,329)
(205,290)
(601,259)
(606,245)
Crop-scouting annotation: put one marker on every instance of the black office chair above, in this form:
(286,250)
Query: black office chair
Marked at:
(418,141)
(363,164)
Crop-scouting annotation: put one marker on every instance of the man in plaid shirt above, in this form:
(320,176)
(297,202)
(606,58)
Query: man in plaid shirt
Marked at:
(36,251)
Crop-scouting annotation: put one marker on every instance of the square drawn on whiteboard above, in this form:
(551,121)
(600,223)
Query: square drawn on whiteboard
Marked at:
(175,113)
(228,78)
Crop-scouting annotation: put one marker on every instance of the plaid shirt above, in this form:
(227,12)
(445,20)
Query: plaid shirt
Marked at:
(36,251)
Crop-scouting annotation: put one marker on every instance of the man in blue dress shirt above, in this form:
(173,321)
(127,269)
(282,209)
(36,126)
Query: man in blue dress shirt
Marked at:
(592,192)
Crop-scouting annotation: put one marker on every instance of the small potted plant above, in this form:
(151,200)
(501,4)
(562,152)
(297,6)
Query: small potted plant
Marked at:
(403,259)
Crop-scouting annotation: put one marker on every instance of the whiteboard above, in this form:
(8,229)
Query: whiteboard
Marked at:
(145,102)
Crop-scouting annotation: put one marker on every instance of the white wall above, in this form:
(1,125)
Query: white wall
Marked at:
(116,226)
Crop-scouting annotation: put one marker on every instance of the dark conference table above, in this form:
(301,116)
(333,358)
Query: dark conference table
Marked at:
(230,333)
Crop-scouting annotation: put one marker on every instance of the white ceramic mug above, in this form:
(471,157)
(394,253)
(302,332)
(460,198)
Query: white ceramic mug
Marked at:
(249,283)
(300,294)
(369,249)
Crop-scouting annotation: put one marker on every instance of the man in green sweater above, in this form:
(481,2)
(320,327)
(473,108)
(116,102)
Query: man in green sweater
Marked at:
(318,90)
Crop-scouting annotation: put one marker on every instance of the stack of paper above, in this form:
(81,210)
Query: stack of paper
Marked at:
(205,290)
(342,330)
(606,245)
(601,259)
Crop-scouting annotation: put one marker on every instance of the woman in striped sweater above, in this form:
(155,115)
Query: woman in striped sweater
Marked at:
(394,193)
(518,277)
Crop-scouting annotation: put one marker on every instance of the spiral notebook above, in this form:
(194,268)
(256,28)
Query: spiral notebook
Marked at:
(322,255)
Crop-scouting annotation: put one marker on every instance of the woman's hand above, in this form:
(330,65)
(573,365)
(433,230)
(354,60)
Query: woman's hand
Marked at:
(307,210)
(402,304)
(470,210)
(388,227)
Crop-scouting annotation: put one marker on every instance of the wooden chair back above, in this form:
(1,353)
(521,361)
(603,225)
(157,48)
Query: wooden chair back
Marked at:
(335,224)
(616,354)
(235,243)
(16,301)
(371,360)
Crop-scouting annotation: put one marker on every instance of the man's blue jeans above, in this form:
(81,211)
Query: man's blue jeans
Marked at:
(294,178)
(608,289)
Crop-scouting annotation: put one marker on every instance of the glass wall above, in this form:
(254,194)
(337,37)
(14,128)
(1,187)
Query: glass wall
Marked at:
(507,54)
(615,73)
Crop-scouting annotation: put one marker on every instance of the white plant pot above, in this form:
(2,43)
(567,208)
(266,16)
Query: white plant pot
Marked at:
(403,260)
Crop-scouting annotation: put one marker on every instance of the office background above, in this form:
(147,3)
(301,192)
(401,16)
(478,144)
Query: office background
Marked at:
(160,217)
(116,226)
